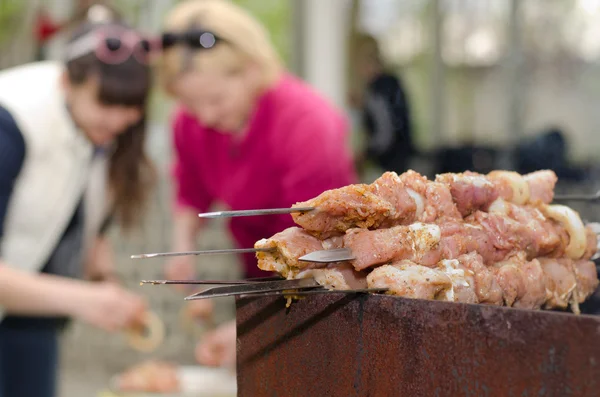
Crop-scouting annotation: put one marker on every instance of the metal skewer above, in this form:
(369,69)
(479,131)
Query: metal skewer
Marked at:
(210,282)
(272,211)
(205,252)
(251,288)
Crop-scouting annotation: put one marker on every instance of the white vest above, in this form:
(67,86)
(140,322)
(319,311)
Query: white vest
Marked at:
(57,169)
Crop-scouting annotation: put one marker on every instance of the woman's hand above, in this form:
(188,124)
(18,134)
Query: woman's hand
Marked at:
(218,347)
(110,307)
(201,309)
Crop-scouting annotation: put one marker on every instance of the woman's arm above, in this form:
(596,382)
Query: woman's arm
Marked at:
(21,292)
(39,294)
(191,198)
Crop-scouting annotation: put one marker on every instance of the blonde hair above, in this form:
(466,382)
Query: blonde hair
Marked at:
(244,40)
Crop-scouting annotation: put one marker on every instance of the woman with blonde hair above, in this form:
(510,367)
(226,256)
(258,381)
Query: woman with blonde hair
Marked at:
(246,133)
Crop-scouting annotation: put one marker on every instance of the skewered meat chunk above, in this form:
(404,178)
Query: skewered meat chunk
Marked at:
(487,288)
(471,191)
(560,281)
(438,198)
(541,186)
(591,243)
(587,278)
(339,276)
(406,203)
(288,246)
(522,282)
(341,209)
(374,247)
(407,279)
(463,281)
(451,280)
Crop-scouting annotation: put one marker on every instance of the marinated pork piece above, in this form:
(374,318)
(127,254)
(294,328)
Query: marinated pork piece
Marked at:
(409,280)
(560,282)
(463,281)
(288,246)
(375,247)
(591,243)
(487,288)
(336,277)
(408,205)
(541,186)
(341,209)
(587,278)
(470,191)
(522,282)
(438,198)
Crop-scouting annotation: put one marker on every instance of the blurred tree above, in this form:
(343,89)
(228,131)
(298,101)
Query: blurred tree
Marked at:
(277,17)
(16,37)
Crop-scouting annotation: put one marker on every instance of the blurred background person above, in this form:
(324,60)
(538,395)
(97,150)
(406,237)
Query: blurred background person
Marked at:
(386,111)
(71,159)
(246,133)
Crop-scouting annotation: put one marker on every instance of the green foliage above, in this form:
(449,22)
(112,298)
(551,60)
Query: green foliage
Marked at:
(276,15)
(11,12)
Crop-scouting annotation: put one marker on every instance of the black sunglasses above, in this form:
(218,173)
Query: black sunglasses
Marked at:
(196,39)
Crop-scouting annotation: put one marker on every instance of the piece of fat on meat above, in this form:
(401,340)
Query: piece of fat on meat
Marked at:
(463,281)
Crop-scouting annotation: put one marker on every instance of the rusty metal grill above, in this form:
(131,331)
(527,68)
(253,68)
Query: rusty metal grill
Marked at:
(372,345)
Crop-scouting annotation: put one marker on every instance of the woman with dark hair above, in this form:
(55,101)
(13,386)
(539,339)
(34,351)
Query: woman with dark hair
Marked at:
(71,160)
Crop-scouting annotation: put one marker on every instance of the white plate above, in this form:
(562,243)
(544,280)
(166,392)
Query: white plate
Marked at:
(196,381)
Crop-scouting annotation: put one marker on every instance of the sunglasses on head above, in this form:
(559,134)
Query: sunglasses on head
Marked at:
(193,38)
(113,45)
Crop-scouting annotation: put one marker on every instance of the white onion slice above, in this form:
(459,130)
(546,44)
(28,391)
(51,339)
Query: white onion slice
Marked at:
(574,226)
(419,202)
(498,207)
(520,187)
